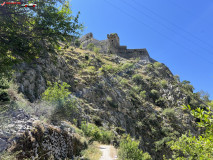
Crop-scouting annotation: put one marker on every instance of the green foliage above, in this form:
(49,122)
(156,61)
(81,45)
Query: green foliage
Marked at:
(77,43)
(154,94)
(56,92)
(177,78)
(96,50)
(97,133)
(136,89)
(111,102)
(110,68)
(169,112)
(143,94)
(137,78)
(204,96)
(157,64)
(90,46)
(124,82)
(210,104)
(127,66)
(29,33)
(109,99)
(149,67)
(187,86)
(164,83)
(4,85)
(161,143)
(190,147)
(90,70)
(128,150)
(81,46)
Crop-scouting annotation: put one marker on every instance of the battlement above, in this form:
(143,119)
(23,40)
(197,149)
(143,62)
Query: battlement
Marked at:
(112,45)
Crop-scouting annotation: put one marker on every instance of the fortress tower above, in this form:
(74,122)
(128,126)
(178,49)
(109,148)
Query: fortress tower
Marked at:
(113,42)
(112,45)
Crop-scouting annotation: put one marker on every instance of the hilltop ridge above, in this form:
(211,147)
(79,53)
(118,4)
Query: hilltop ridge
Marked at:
(112,45)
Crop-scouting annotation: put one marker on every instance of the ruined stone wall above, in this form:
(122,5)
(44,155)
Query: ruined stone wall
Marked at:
(112,45)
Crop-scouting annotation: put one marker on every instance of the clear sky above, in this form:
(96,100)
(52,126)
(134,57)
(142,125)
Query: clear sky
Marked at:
(178,33)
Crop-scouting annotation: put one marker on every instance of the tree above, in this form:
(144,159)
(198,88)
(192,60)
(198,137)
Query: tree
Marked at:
(28,33)
(192,147)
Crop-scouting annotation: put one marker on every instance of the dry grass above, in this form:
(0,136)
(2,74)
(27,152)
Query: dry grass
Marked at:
(93,152)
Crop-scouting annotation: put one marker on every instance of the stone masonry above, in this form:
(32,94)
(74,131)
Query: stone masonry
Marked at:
(112,45)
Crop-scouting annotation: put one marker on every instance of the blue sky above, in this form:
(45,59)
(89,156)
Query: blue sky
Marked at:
(176,33)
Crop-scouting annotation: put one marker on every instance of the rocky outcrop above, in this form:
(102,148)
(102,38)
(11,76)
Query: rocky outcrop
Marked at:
(142,98)
(45,141)
(35,139)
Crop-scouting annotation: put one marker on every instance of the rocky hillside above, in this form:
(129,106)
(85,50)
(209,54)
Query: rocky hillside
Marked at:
(140,98)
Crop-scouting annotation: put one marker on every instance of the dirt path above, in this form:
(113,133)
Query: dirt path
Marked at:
(108,152)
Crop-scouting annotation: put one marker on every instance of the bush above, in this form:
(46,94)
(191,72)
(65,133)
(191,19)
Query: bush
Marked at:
(77,43)
(81,46)
(90,46)
(109,68)
(57,94)
(96,50)
(169,112)
(186,85)
(200,147)
(164,83)
(154,94)
(128,150)
(149,67)
(4,85)
(143,94)
(127,66)
(90,70)
(124,82)
(136,89)
(96,133)
(137,78)
(157,64)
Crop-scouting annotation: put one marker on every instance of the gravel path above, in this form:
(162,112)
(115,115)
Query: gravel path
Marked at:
(106,152)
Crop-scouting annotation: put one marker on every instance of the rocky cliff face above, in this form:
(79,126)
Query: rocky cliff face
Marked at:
(144,99)
(34,139)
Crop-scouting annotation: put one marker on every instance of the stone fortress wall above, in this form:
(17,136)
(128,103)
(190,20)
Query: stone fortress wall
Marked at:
(112,45)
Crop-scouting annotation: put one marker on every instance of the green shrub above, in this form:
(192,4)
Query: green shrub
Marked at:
(97,133)
(149,67)
(110,68)
(164,83)
(143,94)
(90,46)
(81,46)
(200,147)
(124,82)
(127,66)
(160,101)
(57,94)
(96,50)
(169,112)
(157,64)
(187,86)
(137,78)
(4,85)
(90,69)
(136,89)
(128,150)
(111,102)
(77,43)
(154,94)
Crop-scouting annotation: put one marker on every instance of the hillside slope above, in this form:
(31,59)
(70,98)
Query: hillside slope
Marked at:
(142,99)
